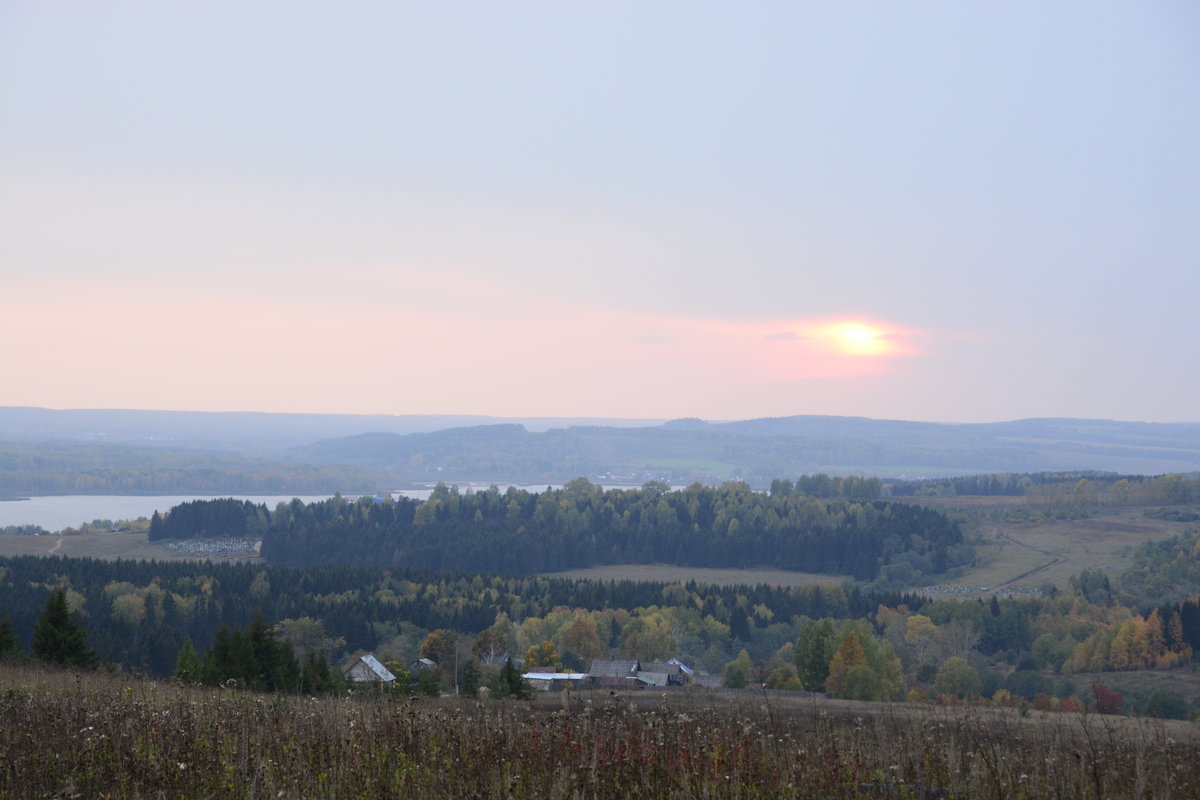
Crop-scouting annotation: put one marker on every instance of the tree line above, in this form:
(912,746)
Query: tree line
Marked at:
(211,519)
(279,628)
(1086,488)
(51,468)
(581,525)
(139,614)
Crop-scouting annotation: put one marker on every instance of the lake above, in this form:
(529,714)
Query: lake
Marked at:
(62,511)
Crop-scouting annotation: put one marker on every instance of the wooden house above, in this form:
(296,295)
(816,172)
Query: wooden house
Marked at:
(664,673)
(422,665)
(368,669)
(614,673)
(614,668)
(554,681)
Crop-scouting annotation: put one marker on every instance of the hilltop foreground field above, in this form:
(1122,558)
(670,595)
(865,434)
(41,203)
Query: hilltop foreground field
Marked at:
(91,735)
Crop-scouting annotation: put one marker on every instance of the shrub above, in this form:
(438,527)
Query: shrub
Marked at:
(1108,701)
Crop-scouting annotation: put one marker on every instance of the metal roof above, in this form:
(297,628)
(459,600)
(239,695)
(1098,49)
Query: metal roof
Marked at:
(681,665)
(654,678)
(614,667)
(555,676)
(382,672)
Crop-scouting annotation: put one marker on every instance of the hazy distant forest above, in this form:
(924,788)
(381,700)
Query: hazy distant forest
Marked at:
(44,451)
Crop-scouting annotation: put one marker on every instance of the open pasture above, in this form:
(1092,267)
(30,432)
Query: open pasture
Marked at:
(109,546)
(1014,556)
(668,573)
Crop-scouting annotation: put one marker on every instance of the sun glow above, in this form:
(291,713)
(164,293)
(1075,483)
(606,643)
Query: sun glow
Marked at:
(857,338)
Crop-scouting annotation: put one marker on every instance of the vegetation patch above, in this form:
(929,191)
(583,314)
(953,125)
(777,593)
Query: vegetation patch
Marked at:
(97,735)
(667,573)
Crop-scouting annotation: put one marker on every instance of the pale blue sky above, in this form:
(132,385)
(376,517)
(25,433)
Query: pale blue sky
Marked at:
(602,208)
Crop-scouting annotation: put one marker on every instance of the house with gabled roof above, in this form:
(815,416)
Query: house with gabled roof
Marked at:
(615,673)
(553,681)
(665,673)
(691,673)
(422,665)
(614,668)
(368,669)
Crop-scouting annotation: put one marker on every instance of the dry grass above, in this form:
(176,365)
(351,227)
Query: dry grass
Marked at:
(666,573)
(96,736)
(1184,680)
(1065,547)
(1027,555)
(108,546)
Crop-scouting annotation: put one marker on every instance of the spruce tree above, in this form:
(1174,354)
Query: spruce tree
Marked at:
(10,645)
(510,683)
(58,638)
(187,666)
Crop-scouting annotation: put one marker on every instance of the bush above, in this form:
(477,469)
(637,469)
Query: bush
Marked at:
(427,684)
(1165,704)
(958,678)
(1108,701)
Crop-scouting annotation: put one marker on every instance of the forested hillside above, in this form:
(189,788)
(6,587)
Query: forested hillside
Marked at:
(758,450)
(140,614)
(1059,489)
(51,468)
(580,525)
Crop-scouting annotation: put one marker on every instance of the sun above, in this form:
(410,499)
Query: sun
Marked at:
(857,338)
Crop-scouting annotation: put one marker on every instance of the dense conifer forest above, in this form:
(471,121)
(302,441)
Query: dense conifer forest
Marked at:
(580,525)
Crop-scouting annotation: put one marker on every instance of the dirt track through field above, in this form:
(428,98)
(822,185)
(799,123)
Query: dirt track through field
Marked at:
(1054,561)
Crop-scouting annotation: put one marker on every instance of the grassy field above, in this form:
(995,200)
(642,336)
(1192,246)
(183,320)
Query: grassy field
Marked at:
(697,465)
(100,545)
(666,573)
(70,735)
(1184,680)
(1030,554)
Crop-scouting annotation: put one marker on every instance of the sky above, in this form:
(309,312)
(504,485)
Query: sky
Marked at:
(958,212)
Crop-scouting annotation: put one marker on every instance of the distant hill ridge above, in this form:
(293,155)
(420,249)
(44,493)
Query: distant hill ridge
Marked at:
(461,448)
(758,450)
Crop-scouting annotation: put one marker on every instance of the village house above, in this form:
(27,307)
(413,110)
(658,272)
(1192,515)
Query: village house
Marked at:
(554,681)
(422,665)
(664,673)
(368,670)
(615,673)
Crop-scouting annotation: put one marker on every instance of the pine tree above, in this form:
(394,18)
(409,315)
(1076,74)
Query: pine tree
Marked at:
(470,679)
(60,639)
(187,666)
(510,683)
(10,645)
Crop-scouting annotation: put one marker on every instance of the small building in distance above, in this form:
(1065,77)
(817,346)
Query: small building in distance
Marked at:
(554,681)
(665,673)
(368,669)
(614,668)
(691,673)
(422,665)
(615,673)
